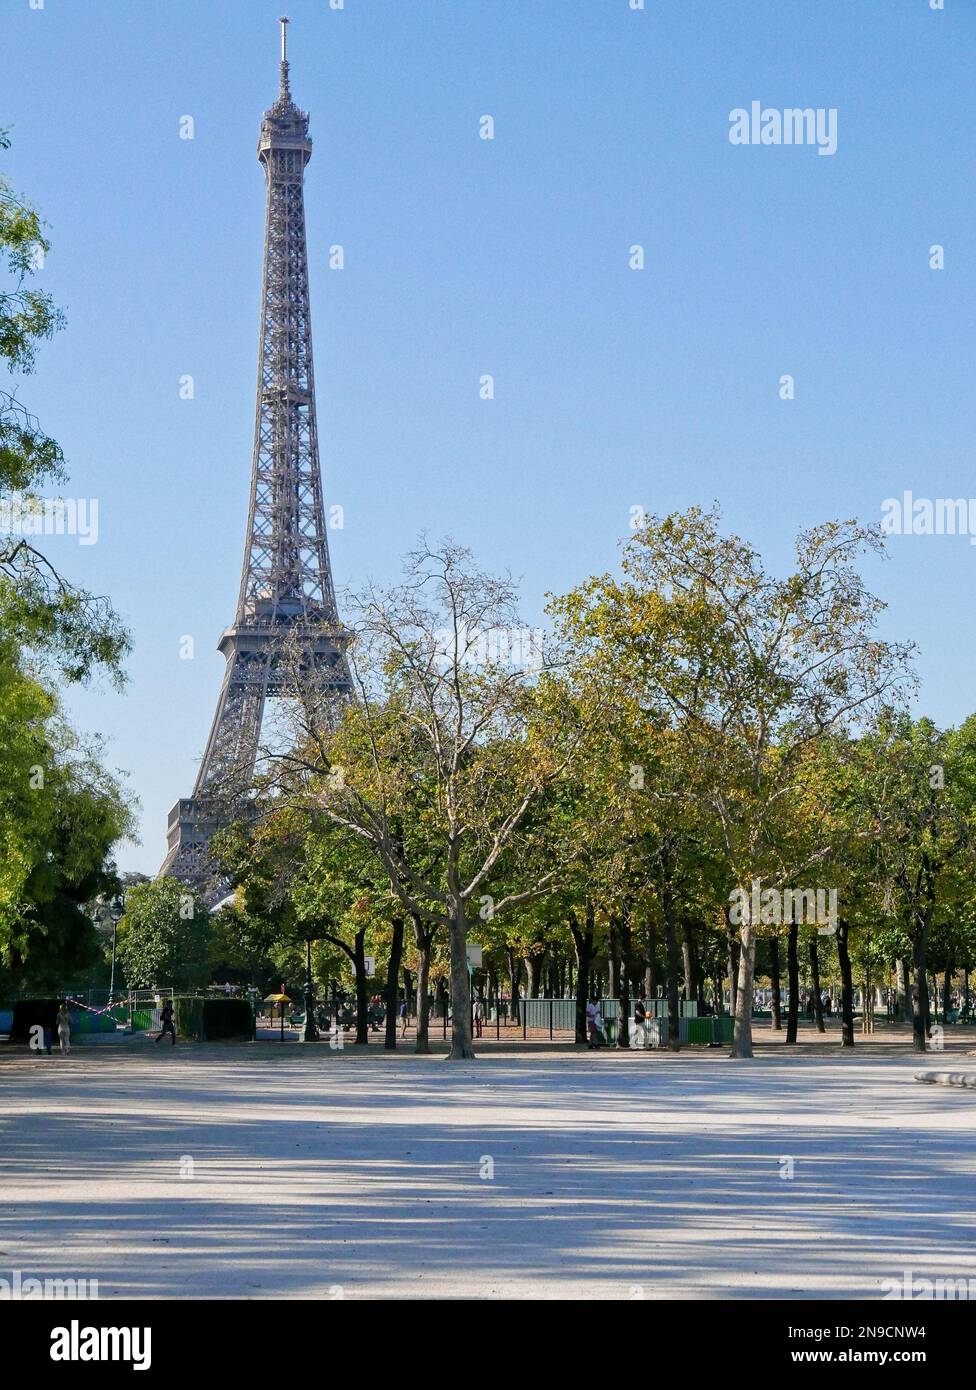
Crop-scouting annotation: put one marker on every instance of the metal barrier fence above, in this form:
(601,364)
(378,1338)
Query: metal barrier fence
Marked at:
(559,1015)
(562,1012)
(145,1018)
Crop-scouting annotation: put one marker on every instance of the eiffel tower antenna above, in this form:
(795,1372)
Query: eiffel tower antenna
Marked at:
(286,590)
(284,21)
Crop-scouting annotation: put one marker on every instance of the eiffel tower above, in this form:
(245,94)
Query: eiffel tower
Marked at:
(286,591)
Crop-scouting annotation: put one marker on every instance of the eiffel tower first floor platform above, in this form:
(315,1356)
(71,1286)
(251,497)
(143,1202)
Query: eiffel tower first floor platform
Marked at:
(189,831)
(258,667)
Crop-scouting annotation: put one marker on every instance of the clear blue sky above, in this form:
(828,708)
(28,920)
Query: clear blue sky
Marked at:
(614,388)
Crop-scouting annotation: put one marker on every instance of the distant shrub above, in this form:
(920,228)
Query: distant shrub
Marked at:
(188,1018)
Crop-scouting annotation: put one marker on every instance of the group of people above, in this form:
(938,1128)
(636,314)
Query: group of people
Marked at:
(477,1015)
(596,1033)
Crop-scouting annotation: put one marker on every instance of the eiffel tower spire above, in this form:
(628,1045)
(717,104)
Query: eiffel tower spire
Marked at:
(284,90)
(286,589)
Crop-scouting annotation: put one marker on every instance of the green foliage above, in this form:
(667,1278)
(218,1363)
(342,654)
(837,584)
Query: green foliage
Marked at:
(74,631)
(188,1018)
(162,937)
(26,315)
(61,813)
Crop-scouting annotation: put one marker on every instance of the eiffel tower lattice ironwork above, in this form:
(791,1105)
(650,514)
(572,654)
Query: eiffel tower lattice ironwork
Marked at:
(286,582)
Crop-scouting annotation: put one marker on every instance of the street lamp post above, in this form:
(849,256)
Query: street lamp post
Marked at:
(118,908)
(311,1032)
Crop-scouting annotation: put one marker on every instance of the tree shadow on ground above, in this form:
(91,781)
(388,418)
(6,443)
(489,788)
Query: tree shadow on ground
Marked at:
(693,1180)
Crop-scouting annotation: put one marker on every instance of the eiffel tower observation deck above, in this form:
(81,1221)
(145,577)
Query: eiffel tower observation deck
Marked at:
(286,602)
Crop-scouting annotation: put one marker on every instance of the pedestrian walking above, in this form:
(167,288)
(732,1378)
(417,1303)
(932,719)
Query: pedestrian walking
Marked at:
(166,1019)
(403,1019)
(64,1027)
(594,1024)
(479,1017)
(639,1035)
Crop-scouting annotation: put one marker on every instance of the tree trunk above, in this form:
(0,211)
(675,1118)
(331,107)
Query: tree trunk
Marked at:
(533,973)
(793,977)
(815,980)
(362,989)
(742,1029)
(902,1010)
(393,985)
(424,936)
(688,959)
(846,985)
(583,944)
(514,975)
(733,967)
(461,1048)
(920,993)
(671,941)
(623,1017)
(613,965)
(650,964)
(774,981)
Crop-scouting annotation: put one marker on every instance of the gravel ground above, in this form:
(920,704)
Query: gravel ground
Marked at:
(248,1172)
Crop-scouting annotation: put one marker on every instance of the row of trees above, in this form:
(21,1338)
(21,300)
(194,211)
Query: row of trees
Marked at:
(692,725)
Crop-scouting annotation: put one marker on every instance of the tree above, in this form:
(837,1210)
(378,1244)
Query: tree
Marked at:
(312,883)
(750,669)
(60,815)
(915,787)
(438,762)
(62,625)
(162,936)
(60,812)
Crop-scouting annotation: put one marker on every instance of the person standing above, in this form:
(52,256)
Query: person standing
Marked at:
(479,1016)
(166,1019)
(63,1021)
